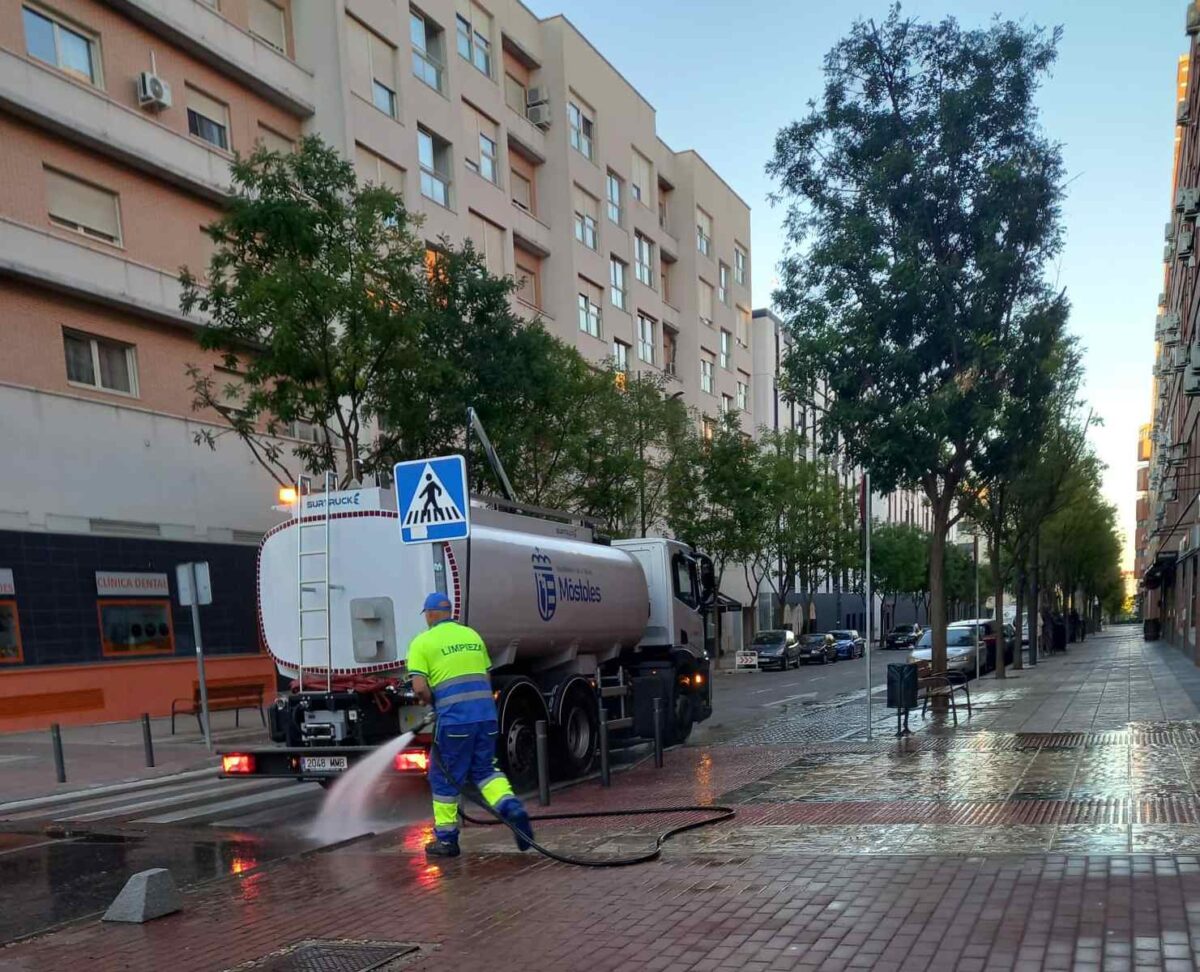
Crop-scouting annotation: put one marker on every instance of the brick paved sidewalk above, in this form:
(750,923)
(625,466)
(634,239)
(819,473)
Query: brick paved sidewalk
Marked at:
(1073,846)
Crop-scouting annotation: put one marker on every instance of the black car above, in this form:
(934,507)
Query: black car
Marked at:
(776,649)
(903,636)
(849,643)
(817,648)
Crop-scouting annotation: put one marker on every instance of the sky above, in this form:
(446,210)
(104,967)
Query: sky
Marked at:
(724,78)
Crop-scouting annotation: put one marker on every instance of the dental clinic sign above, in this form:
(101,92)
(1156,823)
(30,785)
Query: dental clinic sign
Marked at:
(120,583)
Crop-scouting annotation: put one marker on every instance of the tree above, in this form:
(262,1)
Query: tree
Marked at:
(899,560)
(309,296)
(923,205)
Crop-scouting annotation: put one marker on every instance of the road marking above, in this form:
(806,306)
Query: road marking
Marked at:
(790,698)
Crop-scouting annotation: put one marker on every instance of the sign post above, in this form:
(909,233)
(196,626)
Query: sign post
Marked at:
(868,615)
(195,588)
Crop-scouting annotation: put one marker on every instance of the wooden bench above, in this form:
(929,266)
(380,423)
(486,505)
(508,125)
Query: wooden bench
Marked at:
(221,695)
(946,684)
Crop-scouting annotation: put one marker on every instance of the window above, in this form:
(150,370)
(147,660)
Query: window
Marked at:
(704,232)
(664,278)
(589,308)
(685,580)
(10,633)
(428,44)
(639,181)
(522,180)
(621,356)
(135,627)
(726,341)
(706,371)
(207,119)
(743,327)
(489,242)
(372,68)
(617,289)
(268,23)
(708,428)
(726,404)
(646,341)
(662,211)
(582,129)
(374,168)
(61,46)
(474,36)
(670,348)
(434,156)
(706,303)
(723,284)
(743,392)
(485,162)
(515,94)
(739,265)
(612,192)
(529,289)
(643,267)
(100,363)
(273,141)
(586,208)
(81,207)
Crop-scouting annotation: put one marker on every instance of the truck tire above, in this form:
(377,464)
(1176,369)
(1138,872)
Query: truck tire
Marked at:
(517,747)
(683,718)
(577,735)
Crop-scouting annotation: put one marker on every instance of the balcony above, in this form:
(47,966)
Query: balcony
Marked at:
(80,270)
(85,115)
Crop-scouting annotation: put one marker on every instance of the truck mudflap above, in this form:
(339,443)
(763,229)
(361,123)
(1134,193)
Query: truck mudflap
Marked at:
(320,764)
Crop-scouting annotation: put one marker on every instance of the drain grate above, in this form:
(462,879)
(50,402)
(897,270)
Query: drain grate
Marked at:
(319,955)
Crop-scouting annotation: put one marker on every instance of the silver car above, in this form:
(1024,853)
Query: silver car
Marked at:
(960,649)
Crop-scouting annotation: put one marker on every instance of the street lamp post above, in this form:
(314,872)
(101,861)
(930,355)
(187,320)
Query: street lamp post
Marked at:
(978,667)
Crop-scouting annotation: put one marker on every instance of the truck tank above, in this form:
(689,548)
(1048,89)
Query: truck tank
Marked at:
(538,599)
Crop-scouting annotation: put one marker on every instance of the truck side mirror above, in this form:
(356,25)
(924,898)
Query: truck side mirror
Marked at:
(708,580)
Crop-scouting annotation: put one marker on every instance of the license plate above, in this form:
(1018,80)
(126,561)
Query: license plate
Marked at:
(324,763)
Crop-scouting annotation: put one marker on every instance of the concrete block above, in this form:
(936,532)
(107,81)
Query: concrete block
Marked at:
(146,896)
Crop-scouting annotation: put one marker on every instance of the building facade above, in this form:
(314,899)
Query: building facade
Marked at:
(119,123)
(834,604)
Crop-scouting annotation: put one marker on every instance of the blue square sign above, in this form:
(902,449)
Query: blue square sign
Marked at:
(432,500)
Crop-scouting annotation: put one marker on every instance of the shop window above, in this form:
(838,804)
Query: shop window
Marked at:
(141,627)
(10,634)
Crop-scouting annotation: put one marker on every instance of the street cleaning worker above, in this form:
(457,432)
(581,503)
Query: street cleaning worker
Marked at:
(449,666)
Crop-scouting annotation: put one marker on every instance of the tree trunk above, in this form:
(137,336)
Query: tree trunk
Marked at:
(1022,583)
(937,583)
(1035,596)
(998,594)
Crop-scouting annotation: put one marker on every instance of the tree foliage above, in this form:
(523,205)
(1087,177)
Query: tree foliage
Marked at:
(899,561)
(923,206)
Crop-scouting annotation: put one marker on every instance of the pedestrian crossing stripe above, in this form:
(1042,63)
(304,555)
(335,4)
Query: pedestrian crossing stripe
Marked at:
(432,495)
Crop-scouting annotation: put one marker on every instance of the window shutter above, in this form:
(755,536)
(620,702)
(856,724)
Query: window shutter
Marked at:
(77,202)
(358,50)
(274,141)
(266,20)
(210,108)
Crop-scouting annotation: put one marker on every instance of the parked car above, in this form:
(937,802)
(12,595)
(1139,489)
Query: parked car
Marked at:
(777,649)
(903,636)
(817,648)
(963,632)
(960,649)
(849,643)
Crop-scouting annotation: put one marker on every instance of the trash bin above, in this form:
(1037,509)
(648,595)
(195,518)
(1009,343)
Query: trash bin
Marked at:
(902,685)
(1152,629)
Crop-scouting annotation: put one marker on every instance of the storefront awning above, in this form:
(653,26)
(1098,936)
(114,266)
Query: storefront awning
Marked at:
(1160,572)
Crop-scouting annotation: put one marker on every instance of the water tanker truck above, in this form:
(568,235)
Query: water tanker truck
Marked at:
(577,627)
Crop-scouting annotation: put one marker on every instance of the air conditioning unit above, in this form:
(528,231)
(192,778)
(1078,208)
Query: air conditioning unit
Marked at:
(1188,202)
(153,91)
(537,95)
(1166,325)
(1184,242)
(1168,253)
(539,115)
(1162,299)
(1169,232)
(1179,358)
(1191,383)
(1192,23)
(1183,114)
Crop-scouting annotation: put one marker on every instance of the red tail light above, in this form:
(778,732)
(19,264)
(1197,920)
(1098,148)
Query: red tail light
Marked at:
(411,761)
(237,763)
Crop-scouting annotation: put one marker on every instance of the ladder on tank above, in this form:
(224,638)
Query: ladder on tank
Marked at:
(314,614)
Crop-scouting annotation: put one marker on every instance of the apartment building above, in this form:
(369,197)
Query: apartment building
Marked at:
(1168,522)
(833,604)
(119,122)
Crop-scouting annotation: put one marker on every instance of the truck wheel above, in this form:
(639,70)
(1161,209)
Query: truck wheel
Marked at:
(682,719)
(518,746)
(577,735)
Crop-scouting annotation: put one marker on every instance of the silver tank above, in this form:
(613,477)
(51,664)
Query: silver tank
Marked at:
(545,599)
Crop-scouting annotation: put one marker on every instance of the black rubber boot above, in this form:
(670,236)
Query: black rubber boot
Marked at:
(512,811)
(442,848)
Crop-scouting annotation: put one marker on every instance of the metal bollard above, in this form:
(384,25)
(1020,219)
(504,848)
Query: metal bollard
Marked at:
(658,732)
(605,775)
(147,741)
(60,767)
(543,763)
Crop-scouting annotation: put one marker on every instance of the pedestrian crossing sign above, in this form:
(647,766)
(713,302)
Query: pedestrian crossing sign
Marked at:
(432,499)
